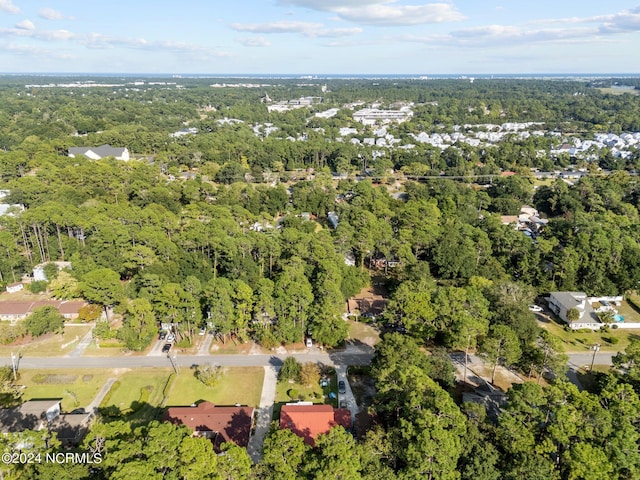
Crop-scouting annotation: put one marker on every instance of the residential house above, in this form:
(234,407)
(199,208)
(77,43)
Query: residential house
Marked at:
(308,421)
(561,302)
(31,415)
(103,151)
(19,310)
(15,287)
(40,414)
(38,270)
(220,424)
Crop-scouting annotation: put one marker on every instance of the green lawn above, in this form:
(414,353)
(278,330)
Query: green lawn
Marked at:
(314,393)
(241,385)
(582,340)
(135,389)
(76,387)
(49,345)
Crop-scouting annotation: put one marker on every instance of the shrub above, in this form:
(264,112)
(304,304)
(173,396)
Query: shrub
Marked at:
(38,286)
(103,331)
(290,369)
(309,374)
(44,320)
(208,374)
(293,394)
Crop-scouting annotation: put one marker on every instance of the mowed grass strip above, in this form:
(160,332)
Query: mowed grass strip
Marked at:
(241,385)
(135,387)
(76,387)
(48,345)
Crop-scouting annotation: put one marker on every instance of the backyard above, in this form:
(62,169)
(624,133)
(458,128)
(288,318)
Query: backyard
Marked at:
(611,339)
(288,391)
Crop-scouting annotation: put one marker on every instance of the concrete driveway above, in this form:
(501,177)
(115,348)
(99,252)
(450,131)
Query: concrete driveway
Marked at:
(341,374)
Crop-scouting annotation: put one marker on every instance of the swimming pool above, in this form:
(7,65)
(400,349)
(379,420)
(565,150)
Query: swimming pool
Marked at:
(618,318)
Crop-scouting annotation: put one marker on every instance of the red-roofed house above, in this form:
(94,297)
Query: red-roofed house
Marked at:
(220,424)
(308,420)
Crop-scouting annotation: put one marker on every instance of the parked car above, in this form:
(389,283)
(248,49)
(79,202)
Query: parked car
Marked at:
(162,335)
(342,387)
(535,308)
(309,342)
(203,331)
(166,348)
(171,337)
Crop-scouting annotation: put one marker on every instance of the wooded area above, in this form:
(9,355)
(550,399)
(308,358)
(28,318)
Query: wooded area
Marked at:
(245,244)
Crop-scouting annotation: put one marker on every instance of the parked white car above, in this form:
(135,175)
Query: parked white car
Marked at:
(535,308)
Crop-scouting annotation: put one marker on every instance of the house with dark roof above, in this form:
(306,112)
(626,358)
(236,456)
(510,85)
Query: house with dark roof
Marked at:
(38,415)
(308,421)
(103,151)
(220,424)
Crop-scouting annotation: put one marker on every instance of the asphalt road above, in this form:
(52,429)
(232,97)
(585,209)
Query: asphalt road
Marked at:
(337,358)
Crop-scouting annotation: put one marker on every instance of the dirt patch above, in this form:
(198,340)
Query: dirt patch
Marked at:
(54,378)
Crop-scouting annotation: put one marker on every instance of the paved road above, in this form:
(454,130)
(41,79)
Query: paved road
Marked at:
(275,360)
(577,360)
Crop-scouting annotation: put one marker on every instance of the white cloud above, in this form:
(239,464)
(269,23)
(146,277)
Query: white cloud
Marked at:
(277,27)
(560,30)
(383,12)
(308,29)
(51,14)
(8,6)
(26,25)
(35,52)
(330,5)
(391,14)
(256,41)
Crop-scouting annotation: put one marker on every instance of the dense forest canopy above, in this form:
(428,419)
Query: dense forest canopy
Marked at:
(228,225)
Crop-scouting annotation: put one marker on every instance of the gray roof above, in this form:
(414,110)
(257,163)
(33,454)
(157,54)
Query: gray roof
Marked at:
(28,416)
(102,151)
(568,300)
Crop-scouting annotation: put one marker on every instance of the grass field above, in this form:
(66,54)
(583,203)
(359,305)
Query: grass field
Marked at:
(76,387)
(135,388)
(241,385)
(49,345)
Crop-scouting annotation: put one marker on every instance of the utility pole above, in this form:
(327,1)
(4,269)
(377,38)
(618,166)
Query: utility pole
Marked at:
(595,349)
(14,365)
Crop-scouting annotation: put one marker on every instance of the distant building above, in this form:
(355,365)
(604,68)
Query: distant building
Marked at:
(103,151)
(38,270)
(371,116)
(333,219)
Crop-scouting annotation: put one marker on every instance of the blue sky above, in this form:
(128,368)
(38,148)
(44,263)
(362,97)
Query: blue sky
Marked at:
(320,36)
